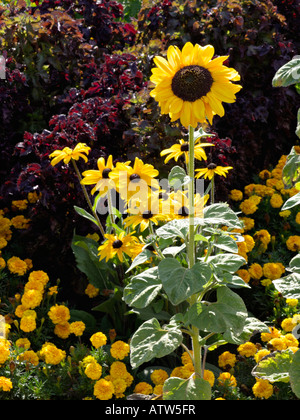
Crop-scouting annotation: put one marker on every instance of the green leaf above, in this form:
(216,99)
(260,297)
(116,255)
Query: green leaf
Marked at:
(173,250)
(141,258)
(221,214)
(226,262)
(294,265)
(289,286)
(192,389)
(291,202)
(226,242)
(177,228)
(143,288)
(88,319)
(180,283)
(152,340)
(227,315)
(288,74)
(298,124)
(295,374)
(99,273)
(275,367)
(178,177)
(291,170)
(86,215)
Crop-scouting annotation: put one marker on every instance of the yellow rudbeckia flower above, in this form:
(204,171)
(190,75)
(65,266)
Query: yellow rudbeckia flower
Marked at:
(177,150)
(190,85)
(100,177)
(66,154)
(212,170)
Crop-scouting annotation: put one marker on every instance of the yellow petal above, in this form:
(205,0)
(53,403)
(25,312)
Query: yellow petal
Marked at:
(163,64)
(187,54)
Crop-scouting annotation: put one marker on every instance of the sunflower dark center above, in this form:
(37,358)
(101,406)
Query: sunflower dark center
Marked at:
(105,172)
(191,83)
(184,211)
(134,177)
(117,243)
(184,147)
(147,214)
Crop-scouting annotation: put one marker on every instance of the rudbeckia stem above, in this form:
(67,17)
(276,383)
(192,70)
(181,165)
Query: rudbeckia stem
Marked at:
(191,245)
(88,198)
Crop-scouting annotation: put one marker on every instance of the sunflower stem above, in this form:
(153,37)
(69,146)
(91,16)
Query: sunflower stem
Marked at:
(191,245)
(88,198)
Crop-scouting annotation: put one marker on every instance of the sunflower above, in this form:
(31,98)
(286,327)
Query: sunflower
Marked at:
(177,150)
(130,180)
(190,85)
(212,170)
(116,244)
(66,154)
(99,177)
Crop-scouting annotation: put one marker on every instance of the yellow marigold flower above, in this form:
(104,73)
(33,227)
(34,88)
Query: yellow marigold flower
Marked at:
(2,263)
(159,376)
(5,384)
(291,340)
(62,330)
(227,359)
(276,201)
(77,328)
(33,197)
(292,302)
(52,290)
(262,236)
(23,342)
(249,242)
(209,377)
(39,276)
(4,350)
(3,243)
(285,214)
(143,388)
(212,170)
(186,358)
(191,86)
(260,354)
(255,270)
(28,321)
(182,149)
(226,379)
(262,389)
(93,371)
(247,349)
(274,333)
(118,370)
(59,314)
(278,343)
(236,195)
(187,370)
(119,350)
(273,271)
(293,243)
(31,298)
(297,219)
(29,356)
(98,339)
(104,390)
(244,274)
(19,311)
(34,285)
(248,206)
(265,174)
(51,354)
(158,390)
(17,266)
(20,222)
(66,154)
(177,372)
(91,291)
(128,378)
(19,204)
(287,324)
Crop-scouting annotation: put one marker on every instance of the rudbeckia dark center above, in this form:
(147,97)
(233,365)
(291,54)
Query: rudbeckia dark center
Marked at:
(191,83)
(147,214)
(184,147)
(184,211)
(212,166)
(134,177)
(117,243)
(105,172)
